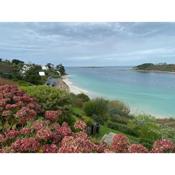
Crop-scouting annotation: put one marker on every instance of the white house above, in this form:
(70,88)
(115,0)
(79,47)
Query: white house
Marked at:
(42,73)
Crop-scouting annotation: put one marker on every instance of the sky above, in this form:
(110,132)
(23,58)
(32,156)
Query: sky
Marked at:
(88,44)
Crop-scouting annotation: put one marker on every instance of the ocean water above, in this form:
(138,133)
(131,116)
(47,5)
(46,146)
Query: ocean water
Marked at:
(144,92)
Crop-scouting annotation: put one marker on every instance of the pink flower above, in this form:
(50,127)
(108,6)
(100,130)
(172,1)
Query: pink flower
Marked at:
(37,125)
(44,134)
(25,145)
(163,146)
(79,124)
(10,106)
(78,143)
(26,113)
(64,130)
(52,115)
(50,148)
(11,134)
(25,131)
(137,148)
(120,143)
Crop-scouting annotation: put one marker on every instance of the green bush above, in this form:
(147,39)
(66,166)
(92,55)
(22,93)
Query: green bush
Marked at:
(119,119)
(49,98)
(121,127)
(117,107)
(97,109)
(146,128)
(78,100)
(83,97)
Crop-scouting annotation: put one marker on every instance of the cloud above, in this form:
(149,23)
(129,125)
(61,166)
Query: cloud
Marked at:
(88,43)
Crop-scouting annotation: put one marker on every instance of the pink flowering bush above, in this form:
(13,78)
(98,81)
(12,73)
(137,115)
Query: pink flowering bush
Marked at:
(120,143)
(11,134)
(64,130)
(77,143)
(25,131)
(137,148)
(43,134)
(52,148)
(53,115)
(79,124)
(25,145)
(16,107)
(163,146)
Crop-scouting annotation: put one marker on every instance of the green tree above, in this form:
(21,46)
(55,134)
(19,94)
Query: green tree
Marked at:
(97,109)
(61,69)
(15,61)
(32,75)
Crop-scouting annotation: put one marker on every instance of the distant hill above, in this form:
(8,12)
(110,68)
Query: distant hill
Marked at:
(156,67)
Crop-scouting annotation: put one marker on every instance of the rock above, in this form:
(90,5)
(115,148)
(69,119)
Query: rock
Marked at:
(107,138)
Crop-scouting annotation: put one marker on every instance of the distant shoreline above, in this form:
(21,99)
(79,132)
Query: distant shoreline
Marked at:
(154,71)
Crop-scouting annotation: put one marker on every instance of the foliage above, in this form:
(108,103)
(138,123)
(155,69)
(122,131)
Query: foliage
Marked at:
(117,108)
(78,100)
(121,127)
(163,146)
(146,128)
(48,97)
(80,125)
(97,109)
(32,75)
(61,69)
(137,148)
(156,67)
(120,143)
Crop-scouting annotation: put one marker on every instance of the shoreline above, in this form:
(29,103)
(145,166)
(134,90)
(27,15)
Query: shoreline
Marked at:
(154,71)
(72,88)
(133,110)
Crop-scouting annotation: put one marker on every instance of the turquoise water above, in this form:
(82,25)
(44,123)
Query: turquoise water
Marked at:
(144,92)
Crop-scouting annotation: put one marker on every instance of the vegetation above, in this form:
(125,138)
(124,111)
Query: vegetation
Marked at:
(38,118)
(156,67)
(18,70)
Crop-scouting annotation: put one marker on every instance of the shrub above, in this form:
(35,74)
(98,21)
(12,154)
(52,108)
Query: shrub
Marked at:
(120,143)
(137,148)
(146,128)
(117,107)
(48,97)
(78,100)
(163,146)
(78,143)
(97,109)
(80,125)
(122,128)
(53,115)
(83,97)
(119,119)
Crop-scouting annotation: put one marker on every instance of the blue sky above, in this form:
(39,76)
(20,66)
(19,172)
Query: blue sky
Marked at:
(88,44)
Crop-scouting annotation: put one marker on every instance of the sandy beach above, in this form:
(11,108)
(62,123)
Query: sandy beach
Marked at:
(74,89)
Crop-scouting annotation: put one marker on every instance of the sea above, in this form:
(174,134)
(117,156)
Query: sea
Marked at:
(151,93)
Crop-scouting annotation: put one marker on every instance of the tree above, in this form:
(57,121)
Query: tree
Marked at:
(61,69)
(32,75)
(15,61)
(50,65)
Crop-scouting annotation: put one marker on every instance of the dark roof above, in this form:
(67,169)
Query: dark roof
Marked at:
(52,81)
